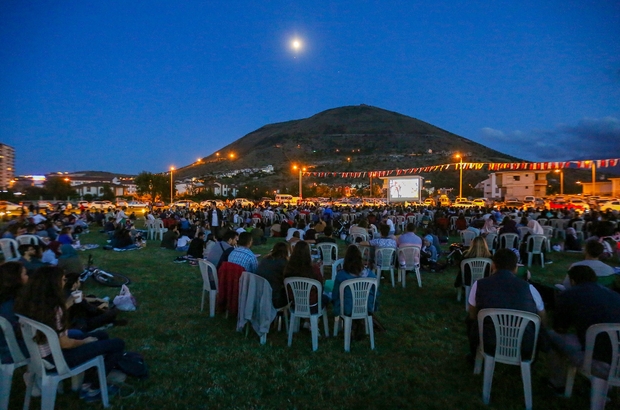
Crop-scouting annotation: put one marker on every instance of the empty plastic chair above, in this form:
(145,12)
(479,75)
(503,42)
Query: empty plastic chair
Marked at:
(328,252)
(509,327)
(491,240)
(209,284)
(336,266)
(28,240)
(523,230)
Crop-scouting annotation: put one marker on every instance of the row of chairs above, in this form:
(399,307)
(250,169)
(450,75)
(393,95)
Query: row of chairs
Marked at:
(301,288)
(535,243)
(510,328)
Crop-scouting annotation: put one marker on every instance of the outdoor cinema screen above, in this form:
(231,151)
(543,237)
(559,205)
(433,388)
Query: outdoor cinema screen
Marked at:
(401,189)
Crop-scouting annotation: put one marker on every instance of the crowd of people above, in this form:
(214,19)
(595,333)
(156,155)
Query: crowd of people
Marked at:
(40,284)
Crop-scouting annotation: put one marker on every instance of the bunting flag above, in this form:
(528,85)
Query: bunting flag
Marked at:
(490,166)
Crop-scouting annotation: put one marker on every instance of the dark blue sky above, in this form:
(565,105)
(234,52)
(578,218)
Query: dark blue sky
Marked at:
(126,86)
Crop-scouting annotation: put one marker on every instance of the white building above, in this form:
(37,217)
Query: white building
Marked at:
(514,184)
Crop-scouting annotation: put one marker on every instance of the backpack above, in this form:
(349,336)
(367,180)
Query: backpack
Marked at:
(132,364)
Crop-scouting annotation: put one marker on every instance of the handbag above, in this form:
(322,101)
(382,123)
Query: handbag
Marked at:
(125,300)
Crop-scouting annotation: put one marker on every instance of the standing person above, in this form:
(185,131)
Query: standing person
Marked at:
(43,300)
(215,219)
(242,255)
(502,290)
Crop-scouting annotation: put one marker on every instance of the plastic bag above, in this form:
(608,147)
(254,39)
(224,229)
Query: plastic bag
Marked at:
(125,300)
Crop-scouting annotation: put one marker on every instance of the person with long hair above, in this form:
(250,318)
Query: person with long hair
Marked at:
(43,300)
(300,265)
(271,267)
(477,249)
(13,277)
(352,268)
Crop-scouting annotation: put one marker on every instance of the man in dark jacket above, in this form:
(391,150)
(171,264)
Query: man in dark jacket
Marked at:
(216,220)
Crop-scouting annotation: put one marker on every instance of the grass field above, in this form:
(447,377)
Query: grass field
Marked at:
(200,362)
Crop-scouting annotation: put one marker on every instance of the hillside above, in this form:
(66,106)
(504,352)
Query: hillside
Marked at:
(352,138)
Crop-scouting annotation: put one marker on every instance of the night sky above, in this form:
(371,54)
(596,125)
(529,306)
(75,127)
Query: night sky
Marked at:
(127,86)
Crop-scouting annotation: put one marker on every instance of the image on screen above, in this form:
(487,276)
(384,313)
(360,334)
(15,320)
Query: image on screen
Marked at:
(404,189)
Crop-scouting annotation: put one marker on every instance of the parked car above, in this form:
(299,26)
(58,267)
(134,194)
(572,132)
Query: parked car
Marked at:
(464,204)
(137,205)
(185,204)
(46,205)
(243,202)
(482,202)
(579,203)
(7,206)
(610,206)
(101,205)
(429,201)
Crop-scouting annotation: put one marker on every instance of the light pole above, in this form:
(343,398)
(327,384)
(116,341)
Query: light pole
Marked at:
(593,178)
(301,170)
(561,181)
(460,175)
(171,182)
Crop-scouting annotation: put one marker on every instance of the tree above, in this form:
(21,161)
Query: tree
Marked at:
(59,188)
(152,185)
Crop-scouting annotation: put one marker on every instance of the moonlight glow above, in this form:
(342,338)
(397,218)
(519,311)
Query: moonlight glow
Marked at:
(296,44)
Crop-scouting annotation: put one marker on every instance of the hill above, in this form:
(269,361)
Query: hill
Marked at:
(352,138)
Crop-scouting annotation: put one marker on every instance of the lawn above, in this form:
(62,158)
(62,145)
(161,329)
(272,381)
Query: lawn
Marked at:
(201,362)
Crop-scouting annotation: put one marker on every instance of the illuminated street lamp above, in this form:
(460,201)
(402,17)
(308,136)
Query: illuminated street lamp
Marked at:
(561,180)
(460,175)
(301,170)
(171,179)
(232,155)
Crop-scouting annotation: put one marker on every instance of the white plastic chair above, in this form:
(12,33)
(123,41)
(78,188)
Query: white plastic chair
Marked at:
(366,252)
(411,219)
(477,267)
(362,236)
(7,369)
(508,241)
(542,221)
(158,226)
(209,273)
(599,387)
(336,266)
(49,379)
(548,232)
(523,230)
(534,247)
(558,227)
(453,223)
(360,292)
(578,225)
(400,222)
(254,314)
(150,228)
(384,260)
(300,307)
(328,252)
(490,240)
(9,249)
(510,327)
(467,236)
(28,240)
(410,256)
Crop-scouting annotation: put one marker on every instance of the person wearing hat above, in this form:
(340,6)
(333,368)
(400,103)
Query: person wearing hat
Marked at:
(428,254)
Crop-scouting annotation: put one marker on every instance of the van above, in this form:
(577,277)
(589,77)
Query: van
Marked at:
(286,199)
(445,201)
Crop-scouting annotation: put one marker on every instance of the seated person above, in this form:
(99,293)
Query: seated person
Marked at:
(169,240)
(196,246)
(242,255)
(584,304)
(353,268)
(429,255)
(226,245)
(122,239)
(300,265)
(42,300)
(477,249)
(593,251)
(69,260)
(183,243)
(65,236)
(271,267)
(572,242)
(327,236)
(31,257)
(13,277)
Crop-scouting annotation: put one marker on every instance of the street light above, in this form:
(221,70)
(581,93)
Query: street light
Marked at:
(561,180)
(301,170)
(460,175)
(171,179)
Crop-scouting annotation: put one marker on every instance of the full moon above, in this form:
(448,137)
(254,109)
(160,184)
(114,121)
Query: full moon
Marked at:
(296,44)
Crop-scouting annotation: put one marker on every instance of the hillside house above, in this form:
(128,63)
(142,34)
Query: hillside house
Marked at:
(514,184)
